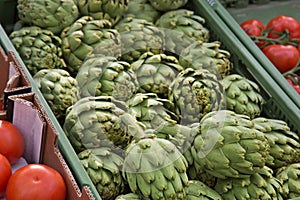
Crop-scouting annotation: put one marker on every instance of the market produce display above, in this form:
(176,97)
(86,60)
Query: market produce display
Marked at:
(279,40)
(161,112)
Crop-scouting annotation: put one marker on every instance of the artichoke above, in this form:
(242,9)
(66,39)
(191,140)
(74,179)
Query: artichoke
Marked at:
(155,72)
(106,76)
(151,110)
(242,95)
(52,15)
(182,28)
(195,93)
(128,196)
(229,146)
(290,177)
(103,165)
(96,121)
(207,55)
(137,37)
(260,185)
(284,144)
(155,169)
(167,5)
(38,48)
(59,89)
(142,9)
(198,190)
(104,9)
(85,36)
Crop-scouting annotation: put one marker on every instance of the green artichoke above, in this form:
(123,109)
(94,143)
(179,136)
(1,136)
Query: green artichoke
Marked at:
(104,9)
(260,185)
(167,5)
(59,89)
(198,190)
(53,15)
(137,37)
(38,48)
(85,36)
(207,55)
(284,144)
(151,110)
(103,165)
(242,95)
(155,169)
(95,121)
(229,146)
(128,196)
(181,28)
(142,9)
(106,76)
(155,72)
(195,93)
(290,177)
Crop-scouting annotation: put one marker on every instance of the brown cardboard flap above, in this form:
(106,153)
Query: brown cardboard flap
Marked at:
(11,58)
(4,68)
(25,115)
(12,77)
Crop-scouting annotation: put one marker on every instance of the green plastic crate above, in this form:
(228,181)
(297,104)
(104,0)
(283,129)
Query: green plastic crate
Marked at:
(278,105)
(264,13)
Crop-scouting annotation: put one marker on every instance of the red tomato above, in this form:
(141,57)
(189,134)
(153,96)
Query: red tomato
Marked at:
(294,85)
(36,180)
(284,57)
(280,23)
(253,27)
(5,173)
(11,141)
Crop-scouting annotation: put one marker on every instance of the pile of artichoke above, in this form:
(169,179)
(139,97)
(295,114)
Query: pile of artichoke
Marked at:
(152,105)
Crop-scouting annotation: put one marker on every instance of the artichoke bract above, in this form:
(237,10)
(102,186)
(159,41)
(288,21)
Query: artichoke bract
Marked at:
(95,121)
(284,143)
(38,48)
(84,37)
(181,28)
(59,89)
(155,169)
(137,37)
(290,177)
(195,93)
(166,5)
(106,76)
(198,190)
(103,165)
(155,72)
(229,146)
(151,110)
(142,9)
(207,55)
(128,196)
(53,15)
(104,9)
(260,185)
(242,95)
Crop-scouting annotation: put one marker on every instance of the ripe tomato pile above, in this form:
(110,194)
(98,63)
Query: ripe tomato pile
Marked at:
(33,180)
(279,40)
